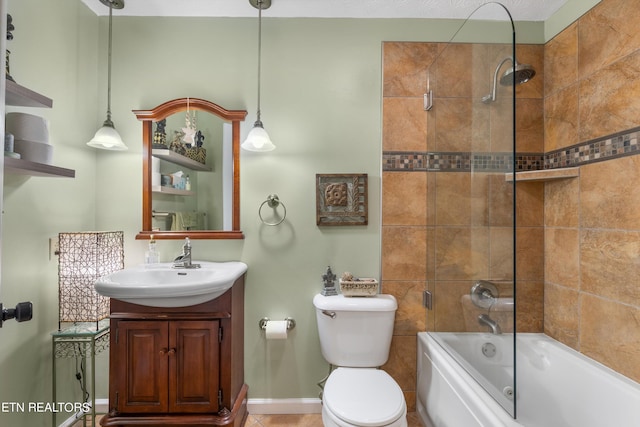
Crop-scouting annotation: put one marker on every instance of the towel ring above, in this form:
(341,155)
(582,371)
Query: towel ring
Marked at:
(273,202)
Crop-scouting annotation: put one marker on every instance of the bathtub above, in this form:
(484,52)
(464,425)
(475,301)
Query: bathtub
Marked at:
(556,385)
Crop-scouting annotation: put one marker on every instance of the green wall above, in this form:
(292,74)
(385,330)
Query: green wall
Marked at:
(568,13)
(321,102)
(49,39)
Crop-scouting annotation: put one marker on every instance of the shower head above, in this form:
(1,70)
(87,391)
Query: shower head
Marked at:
(523,73)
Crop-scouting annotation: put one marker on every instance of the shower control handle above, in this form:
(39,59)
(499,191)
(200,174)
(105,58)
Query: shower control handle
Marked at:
(484,294)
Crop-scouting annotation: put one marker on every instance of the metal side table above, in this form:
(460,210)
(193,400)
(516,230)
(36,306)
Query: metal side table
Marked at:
(85,340)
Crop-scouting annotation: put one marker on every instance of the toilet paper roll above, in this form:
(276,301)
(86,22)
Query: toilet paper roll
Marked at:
(276,330)
(155,179)
(155,164)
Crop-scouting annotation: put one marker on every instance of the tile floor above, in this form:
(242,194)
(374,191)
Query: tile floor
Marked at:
(291,420)
(304,420)
(89,424)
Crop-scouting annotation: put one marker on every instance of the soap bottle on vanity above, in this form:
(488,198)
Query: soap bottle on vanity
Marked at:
(152,256)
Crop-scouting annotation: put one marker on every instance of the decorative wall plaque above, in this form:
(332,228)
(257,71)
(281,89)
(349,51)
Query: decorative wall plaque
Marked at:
(341,199)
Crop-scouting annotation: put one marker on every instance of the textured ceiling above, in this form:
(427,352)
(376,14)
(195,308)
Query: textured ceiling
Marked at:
(521,10)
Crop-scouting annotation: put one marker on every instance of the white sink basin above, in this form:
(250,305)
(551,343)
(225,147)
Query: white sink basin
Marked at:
(161,285)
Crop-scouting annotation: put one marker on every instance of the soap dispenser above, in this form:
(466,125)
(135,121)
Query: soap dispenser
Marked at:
(152,256)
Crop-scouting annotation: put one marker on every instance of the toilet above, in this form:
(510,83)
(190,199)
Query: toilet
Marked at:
(355,336)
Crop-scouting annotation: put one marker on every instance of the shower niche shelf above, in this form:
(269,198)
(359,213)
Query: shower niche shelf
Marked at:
(544,175)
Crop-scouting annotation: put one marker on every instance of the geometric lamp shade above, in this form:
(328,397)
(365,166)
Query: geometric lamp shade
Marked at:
(83,258)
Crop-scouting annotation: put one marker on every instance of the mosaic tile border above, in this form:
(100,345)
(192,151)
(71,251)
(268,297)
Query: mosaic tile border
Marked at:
(614,146)
(424,161)
(626,143)
(458,162)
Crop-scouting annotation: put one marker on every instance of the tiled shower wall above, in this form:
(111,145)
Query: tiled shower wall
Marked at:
(578,247)
(438,219)
(592,223)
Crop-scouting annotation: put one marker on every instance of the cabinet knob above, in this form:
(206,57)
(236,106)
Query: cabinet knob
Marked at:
(172,352)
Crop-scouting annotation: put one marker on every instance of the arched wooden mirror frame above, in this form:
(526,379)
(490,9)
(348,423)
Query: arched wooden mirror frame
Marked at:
(162,111)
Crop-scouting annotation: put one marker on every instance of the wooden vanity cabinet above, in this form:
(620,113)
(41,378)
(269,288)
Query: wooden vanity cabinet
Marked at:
(178,366)
(170,366)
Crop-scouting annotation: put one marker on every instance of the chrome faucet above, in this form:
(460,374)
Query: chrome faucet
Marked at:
(485,320)
(184,260)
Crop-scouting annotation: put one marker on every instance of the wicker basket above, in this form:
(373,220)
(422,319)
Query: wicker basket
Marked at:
(359,288)
(198,154)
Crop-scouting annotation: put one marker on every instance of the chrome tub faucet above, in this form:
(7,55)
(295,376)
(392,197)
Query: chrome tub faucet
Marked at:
(485,320)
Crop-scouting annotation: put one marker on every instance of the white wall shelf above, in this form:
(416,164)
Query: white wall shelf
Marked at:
(21,96)
(179,159)
(163,189)
(26,167)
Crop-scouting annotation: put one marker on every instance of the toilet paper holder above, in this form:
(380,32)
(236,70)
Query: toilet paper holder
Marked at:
(262,323)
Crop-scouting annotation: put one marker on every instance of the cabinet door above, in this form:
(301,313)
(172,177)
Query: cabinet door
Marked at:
(194,368)
(141,361)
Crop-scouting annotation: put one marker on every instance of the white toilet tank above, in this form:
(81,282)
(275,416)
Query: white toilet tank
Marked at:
(355,331)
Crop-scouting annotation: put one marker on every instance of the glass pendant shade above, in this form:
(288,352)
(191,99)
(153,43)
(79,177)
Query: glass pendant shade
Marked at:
(258,139)
(107,138)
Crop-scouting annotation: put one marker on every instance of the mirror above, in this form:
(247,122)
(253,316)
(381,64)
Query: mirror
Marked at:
(190,170)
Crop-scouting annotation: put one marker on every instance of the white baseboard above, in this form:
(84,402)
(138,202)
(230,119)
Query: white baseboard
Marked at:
(284,406)
(254,406)
(102,406)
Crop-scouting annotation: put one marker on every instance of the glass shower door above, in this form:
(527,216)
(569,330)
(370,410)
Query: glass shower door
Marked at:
(471,204)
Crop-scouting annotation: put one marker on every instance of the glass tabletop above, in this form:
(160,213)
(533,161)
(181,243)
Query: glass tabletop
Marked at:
(82,328)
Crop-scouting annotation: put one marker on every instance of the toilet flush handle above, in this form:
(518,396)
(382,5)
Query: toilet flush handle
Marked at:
(331,314)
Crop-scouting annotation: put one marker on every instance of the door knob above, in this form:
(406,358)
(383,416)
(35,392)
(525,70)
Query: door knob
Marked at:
(22,312)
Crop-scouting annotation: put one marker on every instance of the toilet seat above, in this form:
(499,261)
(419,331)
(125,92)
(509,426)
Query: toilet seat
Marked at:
(366,397)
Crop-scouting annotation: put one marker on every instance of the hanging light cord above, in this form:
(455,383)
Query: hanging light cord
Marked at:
(258,121)
(108,121)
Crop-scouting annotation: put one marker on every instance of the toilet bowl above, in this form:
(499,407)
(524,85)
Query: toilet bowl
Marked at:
(355,336)
(363,397)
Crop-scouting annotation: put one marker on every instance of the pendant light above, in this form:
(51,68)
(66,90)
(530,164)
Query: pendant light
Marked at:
(107,137)
(258,139)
